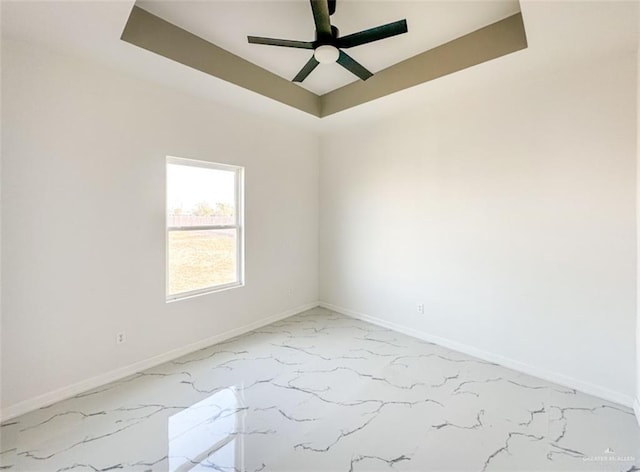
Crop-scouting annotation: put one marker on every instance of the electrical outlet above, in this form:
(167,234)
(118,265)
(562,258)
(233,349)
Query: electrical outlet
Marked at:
(420,308)
(121,338)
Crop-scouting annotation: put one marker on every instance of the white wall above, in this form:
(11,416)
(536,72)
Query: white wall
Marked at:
(83,195)
(508,211)
(637,399)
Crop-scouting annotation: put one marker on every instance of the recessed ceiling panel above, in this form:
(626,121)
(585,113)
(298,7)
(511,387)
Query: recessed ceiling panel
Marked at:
(151,32)
(228,23)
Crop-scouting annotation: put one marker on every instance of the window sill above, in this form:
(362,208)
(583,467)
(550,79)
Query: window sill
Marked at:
(204,291)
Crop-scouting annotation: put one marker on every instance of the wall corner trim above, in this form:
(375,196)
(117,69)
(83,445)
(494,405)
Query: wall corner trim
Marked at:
(69,391)
(544,374)
(636,409)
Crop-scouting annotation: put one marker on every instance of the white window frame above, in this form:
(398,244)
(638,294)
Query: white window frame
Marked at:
(238,226)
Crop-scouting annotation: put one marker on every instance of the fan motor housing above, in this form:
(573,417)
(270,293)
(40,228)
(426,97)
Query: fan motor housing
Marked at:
(327,40)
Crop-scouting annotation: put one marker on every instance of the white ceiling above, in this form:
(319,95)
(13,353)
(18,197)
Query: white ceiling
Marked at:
(227,24)
(560,33)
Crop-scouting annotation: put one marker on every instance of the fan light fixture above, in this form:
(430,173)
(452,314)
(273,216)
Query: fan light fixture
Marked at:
(329,45)
(326,54)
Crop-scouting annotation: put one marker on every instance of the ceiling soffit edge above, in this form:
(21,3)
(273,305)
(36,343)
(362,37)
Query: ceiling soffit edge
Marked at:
(154,34)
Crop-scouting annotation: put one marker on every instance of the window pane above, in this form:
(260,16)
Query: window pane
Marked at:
(199,196)
(201,259)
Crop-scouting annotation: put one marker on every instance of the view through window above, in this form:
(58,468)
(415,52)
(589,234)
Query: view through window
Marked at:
(204,232)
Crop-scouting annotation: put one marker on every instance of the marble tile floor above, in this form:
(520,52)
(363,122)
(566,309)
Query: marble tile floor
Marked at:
(323,392)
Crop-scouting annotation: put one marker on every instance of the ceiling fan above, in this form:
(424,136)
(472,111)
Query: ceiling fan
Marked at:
(328,46)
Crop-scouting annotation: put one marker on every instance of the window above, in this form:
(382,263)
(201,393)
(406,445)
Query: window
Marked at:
(204,227)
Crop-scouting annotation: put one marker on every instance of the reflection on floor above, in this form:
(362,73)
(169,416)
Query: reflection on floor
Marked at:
(323,392)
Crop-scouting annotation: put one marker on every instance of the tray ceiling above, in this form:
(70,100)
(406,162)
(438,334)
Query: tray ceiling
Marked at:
(165,38)
(560,34)
(227,24)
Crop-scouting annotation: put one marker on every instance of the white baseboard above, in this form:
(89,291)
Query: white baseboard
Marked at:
(67,392)
(636,409)
(548,375)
